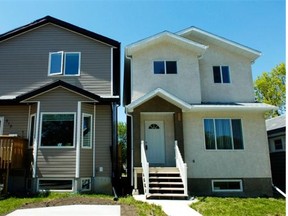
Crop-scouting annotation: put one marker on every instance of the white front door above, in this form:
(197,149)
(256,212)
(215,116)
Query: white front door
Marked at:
(154,141)
(1,125)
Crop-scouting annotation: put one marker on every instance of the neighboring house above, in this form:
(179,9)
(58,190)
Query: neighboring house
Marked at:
(190,94)
(59,89)
(276,131)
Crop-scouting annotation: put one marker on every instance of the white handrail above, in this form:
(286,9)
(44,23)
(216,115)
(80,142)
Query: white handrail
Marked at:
(145,168)
(182,168)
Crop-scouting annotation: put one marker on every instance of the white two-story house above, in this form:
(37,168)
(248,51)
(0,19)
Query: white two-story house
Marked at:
(193,124)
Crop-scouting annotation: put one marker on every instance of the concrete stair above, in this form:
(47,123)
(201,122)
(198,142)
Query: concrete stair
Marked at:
(165,182)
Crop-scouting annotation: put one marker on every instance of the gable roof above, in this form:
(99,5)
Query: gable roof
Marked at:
(56,84)
(229,44)
(48,19)
(161,93)
(169,37)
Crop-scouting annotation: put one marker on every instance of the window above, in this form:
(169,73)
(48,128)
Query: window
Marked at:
(32,130)
(278,144)
(165,67)
(221,74)
(227,185)
(1,125)
(57,130)
(85,184)
(64,63)
(223,134)
(86,130)
(55,185)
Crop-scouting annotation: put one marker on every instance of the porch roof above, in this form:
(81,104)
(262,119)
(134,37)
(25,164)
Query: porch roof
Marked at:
(198,107)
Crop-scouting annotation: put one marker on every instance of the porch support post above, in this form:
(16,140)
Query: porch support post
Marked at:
(135,190)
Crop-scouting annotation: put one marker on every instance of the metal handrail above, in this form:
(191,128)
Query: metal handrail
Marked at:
(145,168)
(182,168)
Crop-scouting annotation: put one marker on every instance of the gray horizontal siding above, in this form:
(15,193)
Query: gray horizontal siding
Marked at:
(15,119)
(24,61)
(56,162)
(103,140)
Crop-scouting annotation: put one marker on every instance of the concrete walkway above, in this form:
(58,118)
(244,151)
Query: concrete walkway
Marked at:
(172,207)
(71,210)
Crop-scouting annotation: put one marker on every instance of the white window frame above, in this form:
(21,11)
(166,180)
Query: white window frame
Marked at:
(272,144)
(90,184)
(165,67)
(62,72)
(74,132)
(231,131)
(55,179)
(1,125)
(91,134)
(227,190)
(221,74)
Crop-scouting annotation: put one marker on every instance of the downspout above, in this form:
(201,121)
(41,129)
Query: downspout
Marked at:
(35,146)
(114,152)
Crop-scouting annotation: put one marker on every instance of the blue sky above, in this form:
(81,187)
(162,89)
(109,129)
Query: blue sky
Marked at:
(259,24)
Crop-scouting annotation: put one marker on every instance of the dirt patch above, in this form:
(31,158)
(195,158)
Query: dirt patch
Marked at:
(126,210)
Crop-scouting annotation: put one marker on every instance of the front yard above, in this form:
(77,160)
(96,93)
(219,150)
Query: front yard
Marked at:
(129,206)
(209,206)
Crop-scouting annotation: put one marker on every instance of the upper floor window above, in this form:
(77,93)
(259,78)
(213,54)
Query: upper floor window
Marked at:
(221,74)
(223,134)
(64,63)
(165,67)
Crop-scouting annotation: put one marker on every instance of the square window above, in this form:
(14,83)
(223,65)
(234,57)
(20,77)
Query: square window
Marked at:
(221,74)
(223,134)
(64,63)
(57,130)
(159,67)
(278,144)
(171,67)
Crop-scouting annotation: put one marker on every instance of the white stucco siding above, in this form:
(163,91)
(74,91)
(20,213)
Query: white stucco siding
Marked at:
(252,162)
(240,77)
(184,85)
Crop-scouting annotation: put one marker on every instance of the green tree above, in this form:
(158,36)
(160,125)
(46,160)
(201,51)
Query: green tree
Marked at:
(122,141)
(270,88)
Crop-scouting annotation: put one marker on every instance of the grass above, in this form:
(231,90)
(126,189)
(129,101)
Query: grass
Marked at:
(10,204)
(240,206)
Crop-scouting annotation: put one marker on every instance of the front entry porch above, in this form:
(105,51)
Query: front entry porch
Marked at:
(160,182)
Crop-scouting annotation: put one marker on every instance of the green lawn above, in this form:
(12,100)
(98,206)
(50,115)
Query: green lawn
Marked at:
(143,209)
(240,206)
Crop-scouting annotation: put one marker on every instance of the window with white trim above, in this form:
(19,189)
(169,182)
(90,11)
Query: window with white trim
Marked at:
(221,74)
(55,185)
(85,184)
(227,185)
(57,129)
(86,130)
(223,134)
(277,144)
(64,63)
(165,67)
(1,125)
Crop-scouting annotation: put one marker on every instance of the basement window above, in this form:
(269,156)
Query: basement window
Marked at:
(227,185)
(55,185)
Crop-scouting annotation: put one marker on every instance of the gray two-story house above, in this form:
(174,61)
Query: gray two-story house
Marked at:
(59,90)
(193,124)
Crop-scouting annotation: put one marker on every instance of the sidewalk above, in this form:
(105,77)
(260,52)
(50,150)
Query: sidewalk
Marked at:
(172,207)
